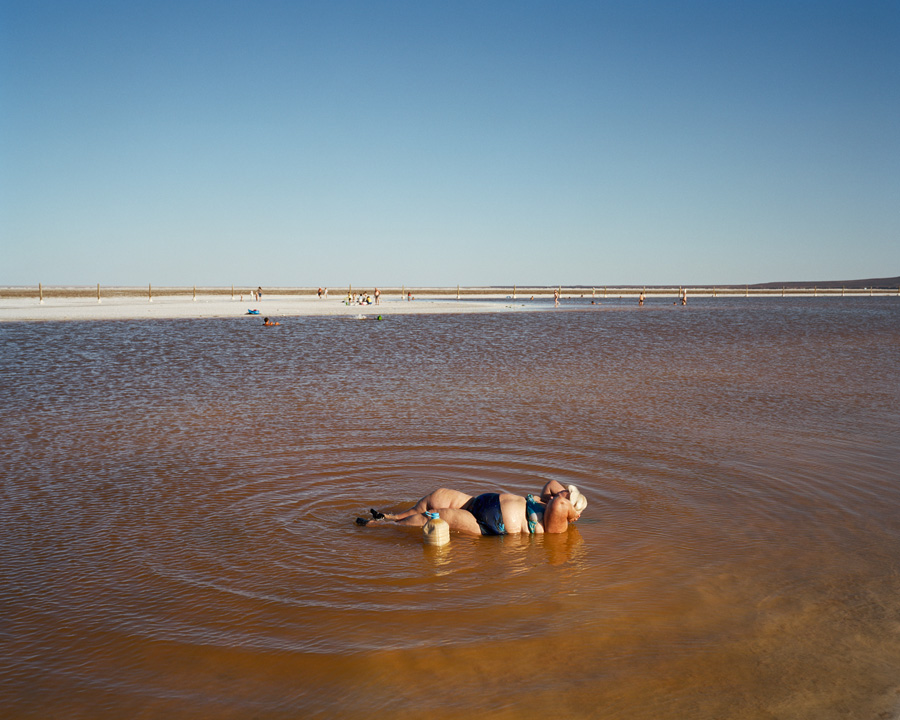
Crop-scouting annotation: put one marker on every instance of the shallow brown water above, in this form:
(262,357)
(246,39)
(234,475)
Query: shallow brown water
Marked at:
(178,501)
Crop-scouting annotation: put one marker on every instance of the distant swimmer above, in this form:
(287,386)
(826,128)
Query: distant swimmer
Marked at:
(268,322)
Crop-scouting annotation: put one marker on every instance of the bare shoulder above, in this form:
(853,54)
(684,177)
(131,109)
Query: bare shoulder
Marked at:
(557,514)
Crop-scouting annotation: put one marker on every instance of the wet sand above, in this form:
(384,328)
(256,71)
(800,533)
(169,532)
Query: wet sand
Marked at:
(22,304)
(215,306)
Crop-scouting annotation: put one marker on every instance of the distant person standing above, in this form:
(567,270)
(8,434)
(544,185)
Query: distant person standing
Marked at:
(259,293)
(377,296)
(684,296)
(641,299)
(556,298)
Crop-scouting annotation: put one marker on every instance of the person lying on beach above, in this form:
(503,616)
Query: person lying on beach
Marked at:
(492,513)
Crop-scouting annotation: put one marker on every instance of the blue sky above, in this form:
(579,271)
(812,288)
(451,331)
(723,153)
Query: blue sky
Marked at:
(436,143)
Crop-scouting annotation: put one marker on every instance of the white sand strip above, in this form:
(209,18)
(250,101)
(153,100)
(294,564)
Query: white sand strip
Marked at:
(273,306)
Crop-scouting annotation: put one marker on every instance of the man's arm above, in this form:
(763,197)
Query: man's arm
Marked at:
(551,489)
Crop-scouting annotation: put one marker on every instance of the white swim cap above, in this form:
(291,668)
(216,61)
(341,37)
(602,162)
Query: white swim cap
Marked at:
(579,501)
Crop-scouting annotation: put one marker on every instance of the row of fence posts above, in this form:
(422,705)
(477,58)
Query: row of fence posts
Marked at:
(514,292)
(193,296)
(149,293)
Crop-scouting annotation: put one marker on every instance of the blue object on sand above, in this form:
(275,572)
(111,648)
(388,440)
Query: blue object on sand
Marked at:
(253,312)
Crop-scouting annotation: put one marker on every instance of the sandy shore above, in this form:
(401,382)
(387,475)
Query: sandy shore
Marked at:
(24,305)
(274,306)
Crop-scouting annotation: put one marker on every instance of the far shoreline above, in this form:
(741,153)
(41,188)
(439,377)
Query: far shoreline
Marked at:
(200,306)
(498,292)
(28,304)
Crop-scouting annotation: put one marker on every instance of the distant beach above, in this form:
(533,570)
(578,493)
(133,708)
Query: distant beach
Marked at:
(55,303)
(125,307)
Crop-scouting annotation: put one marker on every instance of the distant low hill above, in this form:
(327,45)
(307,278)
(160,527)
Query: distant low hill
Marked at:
(875,283)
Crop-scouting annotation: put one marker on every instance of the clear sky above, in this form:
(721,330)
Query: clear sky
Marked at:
(427,143)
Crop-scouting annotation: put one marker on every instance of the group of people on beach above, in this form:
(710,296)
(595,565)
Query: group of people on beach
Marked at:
(363,298)
(322,293)
(491,513)
(255,294)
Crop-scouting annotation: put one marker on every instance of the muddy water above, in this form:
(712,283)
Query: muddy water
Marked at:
(178,499)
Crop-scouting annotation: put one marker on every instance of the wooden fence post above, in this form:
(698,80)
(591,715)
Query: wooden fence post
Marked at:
(41,293)
(98,292)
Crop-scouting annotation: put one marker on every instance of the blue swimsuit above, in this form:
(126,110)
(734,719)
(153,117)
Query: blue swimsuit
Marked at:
(534,513)
(486,509)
